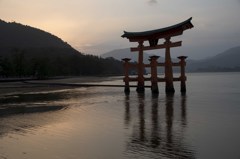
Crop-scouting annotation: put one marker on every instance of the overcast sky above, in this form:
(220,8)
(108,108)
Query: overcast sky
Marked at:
(96,26)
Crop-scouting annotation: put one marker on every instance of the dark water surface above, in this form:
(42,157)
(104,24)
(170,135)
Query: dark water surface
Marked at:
(104,123)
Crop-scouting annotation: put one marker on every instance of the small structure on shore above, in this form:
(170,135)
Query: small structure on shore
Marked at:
(153,37)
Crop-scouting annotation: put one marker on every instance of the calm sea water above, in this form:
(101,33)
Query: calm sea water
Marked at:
(104,123)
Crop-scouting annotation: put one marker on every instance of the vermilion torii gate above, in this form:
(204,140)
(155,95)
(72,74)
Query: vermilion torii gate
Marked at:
(153,37)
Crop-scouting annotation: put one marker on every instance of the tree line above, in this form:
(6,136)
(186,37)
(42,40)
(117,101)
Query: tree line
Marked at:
(20,64)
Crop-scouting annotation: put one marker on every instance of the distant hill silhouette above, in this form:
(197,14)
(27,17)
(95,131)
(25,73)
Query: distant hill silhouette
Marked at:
(228,60)
(119,54)
(17,36)
(28,51)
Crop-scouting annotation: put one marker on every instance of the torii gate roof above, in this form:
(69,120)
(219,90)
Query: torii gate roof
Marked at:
(170,31)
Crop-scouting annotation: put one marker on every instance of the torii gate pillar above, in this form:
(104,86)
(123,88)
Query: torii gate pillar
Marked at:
(140,85)
(183,76)
(126,78)
(169,88)
(154,77)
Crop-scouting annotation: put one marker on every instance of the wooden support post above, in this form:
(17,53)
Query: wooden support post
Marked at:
(126,74)
(154,77)
(182,76)
(168,68)
(140,85)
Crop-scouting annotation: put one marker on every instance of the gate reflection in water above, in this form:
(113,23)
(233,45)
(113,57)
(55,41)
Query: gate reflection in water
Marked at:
(155,132)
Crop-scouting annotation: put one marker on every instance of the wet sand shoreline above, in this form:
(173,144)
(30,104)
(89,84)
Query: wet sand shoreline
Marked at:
(22,86)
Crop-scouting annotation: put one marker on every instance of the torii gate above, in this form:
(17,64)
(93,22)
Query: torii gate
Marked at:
(153,37)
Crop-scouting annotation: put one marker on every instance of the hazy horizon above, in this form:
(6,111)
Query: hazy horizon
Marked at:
(95,27)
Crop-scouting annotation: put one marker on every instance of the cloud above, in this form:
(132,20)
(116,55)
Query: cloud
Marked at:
(152,1)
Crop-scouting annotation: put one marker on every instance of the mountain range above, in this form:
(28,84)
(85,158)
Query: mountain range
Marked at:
(29,51)
(228,60)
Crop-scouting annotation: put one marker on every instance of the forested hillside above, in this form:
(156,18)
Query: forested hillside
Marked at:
(27,51)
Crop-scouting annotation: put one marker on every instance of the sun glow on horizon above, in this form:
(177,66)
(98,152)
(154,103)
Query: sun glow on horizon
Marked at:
(97,26)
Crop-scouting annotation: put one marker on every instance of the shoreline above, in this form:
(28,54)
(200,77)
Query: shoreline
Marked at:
(18,86)
(82,78)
